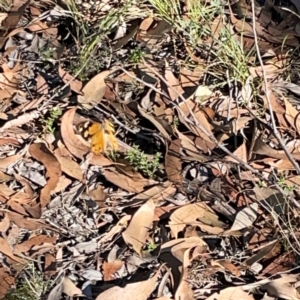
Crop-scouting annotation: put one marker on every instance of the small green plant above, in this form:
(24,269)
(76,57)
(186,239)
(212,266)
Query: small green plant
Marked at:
(136,55)
(49,123)
(30,285)
(140,161)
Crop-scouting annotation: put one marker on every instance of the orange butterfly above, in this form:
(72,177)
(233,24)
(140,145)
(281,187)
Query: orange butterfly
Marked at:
(101,136)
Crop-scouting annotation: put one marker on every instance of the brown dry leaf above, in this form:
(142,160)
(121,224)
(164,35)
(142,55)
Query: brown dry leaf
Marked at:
(95,89)
(68,166)
(7,281)
(190,78)
(281,288)
(5,249)
(292,115)
(99,196)
(110,268)
(75,84)
(261,253)
(227,265)
(74,145)
(162,191)
(191,105)
(13,18)
(240,152)
(132,291)
(43,155)
(197,214)
(173,163)
(6,162)
(137,232)
(70,289)
(34,241)
(184,291)
(134,184)
(4,223)
(30,224)
(174,88)
(156,122)
(41,85)
(178,246)
(122,223)
(231,293)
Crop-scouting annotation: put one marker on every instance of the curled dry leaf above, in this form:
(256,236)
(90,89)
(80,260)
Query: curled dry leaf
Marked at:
(197,214)
(132,291)
(137,232)
(43,155)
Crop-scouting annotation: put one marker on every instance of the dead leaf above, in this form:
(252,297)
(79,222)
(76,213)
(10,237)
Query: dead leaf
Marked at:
(245,217)
(292,115)
(231,293)
(75,84)
(69,166)
(6,162)
(174,88)
(110,268)
(32,242)
(43,155)
(5,249)
(4,223)
(95,89)
(197,214)
(122,223)
(281,288)
(132,185)
(30,224)
(137,232)
(7,281)
(227,265)
(69,288)
(73,144)
(261,253)
(173,163)
(184,291)
(132,291)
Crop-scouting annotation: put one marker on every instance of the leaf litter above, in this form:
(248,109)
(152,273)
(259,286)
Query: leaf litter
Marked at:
(201,199)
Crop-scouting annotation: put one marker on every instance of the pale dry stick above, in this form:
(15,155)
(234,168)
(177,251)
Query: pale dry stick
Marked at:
(275,131)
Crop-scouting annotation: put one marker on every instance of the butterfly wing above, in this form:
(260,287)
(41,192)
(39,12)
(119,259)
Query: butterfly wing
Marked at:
(98,140)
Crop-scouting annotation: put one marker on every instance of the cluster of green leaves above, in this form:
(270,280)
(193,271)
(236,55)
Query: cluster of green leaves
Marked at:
(140,161)
(49,123)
